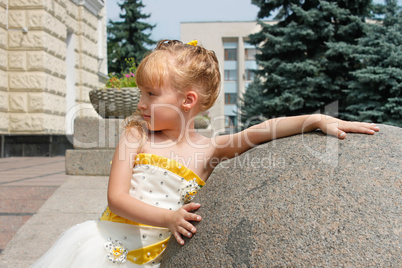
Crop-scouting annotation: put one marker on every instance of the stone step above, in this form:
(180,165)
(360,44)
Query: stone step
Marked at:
(91,132)
(93,162)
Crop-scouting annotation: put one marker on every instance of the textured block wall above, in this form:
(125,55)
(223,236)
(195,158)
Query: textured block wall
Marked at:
(33,63)
(3,69)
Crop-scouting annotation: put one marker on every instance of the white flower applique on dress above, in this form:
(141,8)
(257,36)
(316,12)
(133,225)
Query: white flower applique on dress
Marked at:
(189,190)
(117,253)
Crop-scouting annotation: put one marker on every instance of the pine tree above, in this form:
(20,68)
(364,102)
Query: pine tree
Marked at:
(254,105)
(128,37)
(298,75)
(375,92)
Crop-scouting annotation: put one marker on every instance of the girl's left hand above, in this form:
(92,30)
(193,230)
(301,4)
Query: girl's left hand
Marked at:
(338,128)
(179,224)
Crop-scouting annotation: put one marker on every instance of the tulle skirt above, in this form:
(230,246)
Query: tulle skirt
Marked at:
(83,245)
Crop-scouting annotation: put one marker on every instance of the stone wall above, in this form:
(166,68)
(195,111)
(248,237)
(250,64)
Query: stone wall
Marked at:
(304,201)
(35,84)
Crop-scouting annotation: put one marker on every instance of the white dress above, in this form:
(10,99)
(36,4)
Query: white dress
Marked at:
(113,241)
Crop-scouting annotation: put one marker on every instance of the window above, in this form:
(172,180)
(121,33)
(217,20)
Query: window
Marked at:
(249,75)
(230,98)
(230,54)
(230,75)
(230,121)
(250,53)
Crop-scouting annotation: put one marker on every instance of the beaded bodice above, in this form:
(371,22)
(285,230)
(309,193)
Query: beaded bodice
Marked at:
(161,182)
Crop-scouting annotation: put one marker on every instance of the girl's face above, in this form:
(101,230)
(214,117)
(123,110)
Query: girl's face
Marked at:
(161,107)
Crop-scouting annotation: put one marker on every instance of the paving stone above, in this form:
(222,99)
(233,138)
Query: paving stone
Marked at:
(25,184)
(69,205)
(9,225)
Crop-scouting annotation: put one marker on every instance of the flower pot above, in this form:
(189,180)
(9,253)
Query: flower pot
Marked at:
(115,102)
(201,122)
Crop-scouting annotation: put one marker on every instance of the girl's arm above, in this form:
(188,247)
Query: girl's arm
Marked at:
(228,146)
(124,205)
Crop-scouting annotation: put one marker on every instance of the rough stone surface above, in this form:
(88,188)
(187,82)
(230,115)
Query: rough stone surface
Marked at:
(96,162)
(303,201)
(94,141)
(91,132)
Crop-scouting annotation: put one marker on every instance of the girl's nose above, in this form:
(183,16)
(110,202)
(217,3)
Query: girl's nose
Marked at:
(141,104)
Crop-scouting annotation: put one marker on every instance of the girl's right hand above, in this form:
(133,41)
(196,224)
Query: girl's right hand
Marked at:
(179,224)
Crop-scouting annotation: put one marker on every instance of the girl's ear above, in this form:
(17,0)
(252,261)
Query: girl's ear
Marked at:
(190,99)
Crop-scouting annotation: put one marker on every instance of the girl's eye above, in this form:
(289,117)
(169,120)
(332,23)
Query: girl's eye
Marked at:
(150,94)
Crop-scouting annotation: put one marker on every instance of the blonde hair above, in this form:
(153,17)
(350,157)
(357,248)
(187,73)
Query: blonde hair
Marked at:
(186,67)
(136,121)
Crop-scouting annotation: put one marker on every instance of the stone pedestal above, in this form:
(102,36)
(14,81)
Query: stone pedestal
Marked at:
(304,201)
(94,143)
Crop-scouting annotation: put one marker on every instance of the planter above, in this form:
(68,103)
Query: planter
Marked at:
(201,122)
(115,102)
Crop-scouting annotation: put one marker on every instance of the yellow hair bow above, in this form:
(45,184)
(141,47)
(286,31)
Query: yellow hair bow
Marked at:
(193,43)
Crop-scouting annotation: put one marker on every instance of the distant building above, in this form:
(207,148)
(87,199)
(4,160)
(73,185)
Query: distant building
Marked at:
(236,56)
(52,53)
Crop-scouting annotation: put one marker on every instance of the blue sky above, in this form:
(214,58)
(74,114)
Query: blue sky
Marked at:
(167,14)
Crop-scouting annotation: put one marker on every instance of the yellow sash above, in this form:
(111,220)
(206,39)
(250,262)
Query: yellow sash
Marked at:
(141,255)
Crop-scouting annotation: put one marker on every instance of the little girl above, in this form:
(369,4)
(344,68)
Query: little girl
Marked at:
(161,162)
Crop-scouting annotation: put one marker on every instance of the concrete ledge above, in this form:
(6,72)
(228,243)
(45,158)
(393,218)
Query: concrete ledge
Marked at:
(89,162)
(90,132)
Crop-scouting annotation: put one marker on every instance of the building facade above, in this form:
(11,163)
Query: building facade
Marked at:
(52,53)
(229,41)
